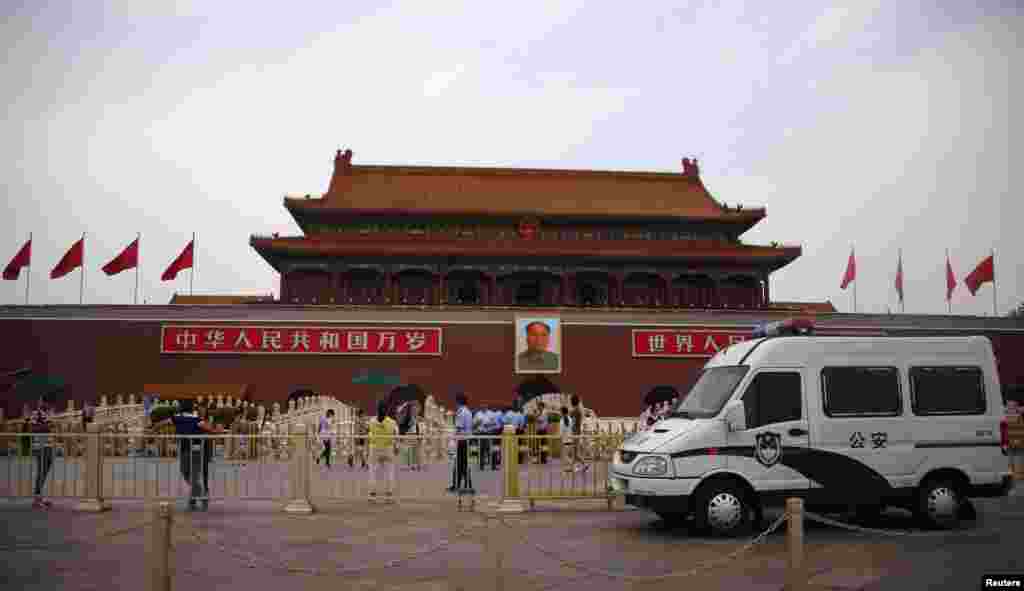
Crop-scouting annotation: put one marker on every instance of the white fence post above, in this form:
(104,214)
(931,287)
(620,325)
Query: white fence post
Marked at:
(300,472)
(92,467)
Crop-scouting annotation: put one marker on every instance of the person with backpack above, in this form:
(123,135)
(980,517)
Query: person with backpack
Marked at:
(324,431)
(193,454)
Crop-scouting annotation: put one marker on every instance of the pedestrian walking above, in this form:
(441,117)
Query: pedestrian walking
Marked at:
(383,449)
(360,430)
(324,431)
(577,431)
(565,427)
(462,480)
(542,431)
(42,450)
(410,426)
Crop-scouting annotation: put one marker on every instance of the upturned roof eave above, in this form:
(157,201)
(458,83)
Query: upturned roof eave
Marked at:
(275,250)
(308,210)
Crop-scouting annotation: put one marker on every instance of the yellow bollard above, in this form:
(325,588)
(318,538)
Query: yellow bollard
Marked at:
(510,502)
(796,579)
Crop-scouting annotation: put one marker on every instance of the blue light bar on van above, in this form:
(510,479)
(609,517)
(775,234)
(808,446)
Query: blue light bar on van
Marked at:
(783,328)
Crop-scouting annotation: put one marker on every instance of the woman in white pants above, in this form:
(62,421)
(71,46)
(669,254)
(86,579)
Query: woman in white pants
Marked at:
(383,449)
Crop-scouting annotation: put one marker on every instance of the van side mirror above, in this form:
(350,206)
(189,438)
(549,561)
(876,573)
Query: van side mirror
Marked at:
(736,416)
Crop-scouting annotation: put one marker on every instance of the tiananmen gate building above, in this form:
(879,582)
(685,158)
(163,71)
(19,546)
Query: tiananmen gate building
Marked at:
(495,281)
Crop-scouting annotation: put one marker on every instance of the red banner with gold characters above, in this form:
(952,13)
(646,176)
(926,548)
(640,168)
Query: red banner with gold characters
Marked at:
(302,340)
(684,342)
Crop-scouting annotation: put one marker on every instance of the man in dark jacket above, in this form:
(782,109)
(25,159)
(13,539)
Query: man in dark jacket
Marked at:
(192,452)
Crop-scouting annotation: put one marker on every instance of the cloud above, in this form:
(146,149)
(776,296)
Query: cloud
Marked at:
(440,81)
(834,26)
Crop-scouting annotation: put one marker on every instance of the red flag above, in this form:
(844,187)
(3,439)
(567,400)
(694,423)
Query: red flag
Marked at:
(72,260)
(983,273)
(950,280)
(128,259)
(899,277)
(851,272)
(22,259)
(184,261)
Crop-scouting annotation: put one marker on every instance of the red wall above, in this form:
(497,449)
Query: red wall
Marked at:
(108,357)
(111,357)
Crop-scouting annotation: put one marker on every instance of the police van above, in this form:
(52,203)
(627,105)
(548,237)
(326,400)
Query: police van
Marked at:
(845,423)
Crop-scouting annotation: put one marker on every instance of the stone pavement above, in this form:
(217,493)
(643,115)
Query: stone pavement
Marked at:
(409,546)
(431,546)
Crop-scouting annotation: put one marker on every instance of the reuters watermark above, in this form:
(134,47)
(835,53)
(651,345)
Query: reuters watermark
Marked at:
(1003,581)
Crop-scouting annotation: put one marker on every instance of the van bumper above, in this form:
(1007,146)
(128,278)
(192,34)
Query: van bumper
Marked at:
(998,489)
(679,504)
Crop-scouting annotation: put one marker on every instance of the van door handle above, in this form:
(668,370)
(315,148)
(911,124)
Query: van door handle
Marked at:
(795,432)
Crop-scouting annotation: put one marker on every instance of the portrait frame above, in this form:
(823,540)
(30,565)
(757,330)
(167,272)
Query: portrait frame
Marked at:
(554,325)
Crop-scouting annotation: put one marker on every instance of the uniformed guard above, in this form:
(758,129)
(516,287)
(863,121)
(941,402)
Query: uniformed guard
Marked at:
(461,478)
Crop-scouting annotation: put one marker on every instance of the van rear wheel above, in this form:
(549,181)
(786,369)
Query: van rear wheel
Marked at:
(723,509)
(938,503)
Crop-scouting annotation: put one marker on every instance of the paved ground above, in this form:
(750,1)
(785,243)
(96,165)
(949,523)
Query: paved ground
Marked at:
(431,546)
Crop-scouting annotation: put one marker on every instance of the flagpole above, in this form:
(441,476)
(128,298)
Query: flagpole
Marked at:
(949,299)
(28,275)
(903,285)
(994,313)
(81,289)
(192,269)
(855,282)
(138,247)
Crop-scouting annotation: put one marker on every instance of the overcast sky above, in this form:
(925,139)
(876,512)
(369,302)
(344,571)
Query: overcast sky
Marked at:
(880,125)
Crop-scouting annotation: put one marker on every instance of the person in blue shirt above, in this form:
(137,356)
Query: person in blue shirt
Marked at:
(461,479)
(485,428)
(496,422)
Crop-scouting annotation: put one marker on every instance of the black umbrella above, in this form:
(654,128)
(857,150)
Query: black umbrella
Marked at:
(19,373)
(659,394)
(404,394)
(407,393)
(37,386)
(536,386)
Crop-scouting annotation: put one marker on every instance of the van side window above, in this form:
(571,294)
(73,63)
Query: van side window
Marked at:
(773,397)
(947,391)
(861,392)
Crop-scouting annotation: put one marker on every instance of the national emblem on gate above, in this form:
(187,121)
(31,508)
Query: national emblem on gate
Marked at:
(768,449)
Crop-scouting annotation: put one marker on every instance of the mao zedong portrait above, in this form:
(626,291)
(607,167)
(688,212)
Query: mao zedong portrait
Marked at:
(537,357)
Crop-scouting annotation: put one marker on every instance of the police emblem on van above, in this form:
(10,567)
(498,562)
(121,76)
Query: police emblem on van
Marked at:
(768,449)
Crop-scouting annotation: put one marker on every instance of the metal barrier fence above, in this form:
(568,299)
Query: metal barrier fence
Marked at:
(299,467)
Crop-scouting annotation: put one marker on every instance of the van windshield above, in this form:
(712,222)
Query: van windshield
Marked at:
(709,394)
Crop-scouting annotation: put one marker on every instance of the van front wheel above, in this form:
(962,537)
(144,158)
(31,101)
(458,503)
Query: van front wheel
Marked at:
(723,510)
